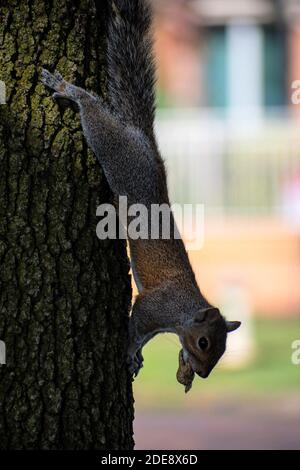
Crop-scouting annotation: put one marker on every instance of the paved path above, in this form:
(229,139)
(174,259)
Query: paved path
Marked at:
(220,427)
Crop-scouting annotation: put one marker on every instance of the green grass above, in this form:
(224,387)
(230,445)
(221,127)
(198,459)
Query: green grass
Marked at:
(270,372)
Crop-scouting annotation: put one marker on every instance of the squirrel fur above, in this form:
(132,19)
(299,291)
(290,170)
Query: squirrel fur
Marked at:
(120,132)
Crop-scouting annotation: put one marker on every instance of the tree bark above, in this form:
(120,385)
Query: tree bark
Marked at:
(64,295)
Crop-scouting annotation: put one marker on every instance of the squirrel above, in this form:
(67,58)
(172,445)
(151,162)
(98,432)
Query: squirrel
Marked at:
(120,132)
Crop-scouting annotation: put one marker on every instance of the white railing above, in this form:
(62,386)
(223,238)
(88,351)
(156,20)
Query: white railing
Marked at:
(233,166)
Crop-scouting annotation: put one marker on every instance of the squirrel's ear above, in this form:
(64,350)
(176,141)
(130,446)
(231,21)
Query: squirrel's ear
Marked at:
(232,325)
(203,314)
(199,317)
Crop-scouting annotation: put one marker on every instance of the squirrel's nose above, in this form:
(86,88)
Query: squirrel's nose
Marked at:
(203,374)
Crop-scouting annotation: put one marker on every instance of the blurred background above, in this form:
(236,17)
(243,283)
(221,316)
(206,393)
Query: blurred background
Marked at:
(230,136)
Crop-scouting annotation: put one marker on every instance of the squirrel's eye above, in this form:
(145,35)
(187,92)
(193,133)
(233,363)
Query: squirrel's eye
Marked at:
(203,343)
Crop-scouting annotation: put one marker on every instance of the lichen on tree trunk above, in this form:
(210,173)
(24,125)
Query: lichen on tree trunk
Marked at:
(64,295)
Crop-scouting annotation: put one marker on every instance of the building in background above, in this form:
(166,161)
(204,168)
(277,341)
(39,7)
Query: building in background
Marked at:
(228,53)
(231,139)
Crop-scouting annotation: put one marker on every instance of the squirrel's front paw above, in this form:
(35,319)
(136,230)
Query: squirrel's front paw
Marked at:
(135,362)
(54,81)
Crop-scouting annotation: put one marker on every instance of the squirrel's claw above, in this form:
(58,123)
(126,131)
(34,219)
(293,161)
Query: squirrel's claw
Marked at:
(135,363)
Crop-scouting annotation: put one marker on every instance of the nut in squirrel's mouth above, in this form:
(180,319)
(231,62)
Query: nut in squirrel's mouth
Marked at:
(190,360)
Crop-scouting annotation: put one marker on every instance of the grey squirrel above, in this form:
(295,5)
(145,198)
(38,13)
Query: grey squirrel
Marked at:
(120,132)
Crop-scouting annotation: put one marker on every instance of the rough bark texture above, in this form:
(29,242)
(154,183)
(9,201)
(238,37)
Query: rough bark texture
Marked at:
(64,295)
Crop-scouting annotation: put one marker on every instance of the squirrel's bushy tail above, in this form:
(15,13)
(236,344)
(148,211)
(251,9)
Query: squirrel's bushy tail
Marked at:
(130,63)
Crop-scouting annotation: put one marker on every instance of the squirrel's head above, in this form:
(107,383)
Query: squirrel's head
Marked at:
(204,339)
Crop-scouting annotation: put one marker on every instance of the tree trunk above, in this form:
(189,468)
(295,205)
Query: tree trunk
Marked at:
(64,295)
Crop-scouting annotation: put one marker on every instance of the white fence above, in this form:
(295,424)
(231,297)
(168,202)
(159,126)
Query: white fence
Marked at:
(232,166)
